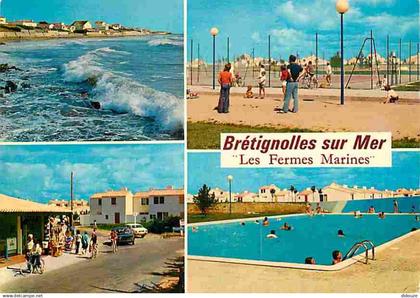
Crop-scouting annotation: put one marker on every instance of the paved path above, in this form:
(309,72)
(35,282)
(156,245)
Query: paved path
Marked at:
(131,264)
(395,270)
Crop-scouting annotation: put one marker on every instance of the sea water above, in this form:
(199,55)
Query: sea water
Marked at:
(311,236)
(138,82)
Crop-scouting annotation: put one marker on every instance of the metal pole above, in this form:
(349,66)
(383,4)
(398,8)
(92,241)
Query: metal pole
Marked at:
(253,62)
(387,59)
(417,61)
(342,61)
(269,60)
(191,61)
(400,60)
(214,62)
(230,197)
(228,50)
(198,62)
(409,63)
(316,55)
(71,198)
(371,59)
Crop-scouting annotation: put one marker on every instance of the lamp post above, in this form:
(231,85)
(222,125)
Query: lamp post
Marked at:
(342,6)
(230,178)
(214,31)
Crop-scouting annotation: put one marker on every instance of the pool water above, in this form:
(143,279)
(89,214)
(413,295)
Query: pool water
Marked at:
(314,236)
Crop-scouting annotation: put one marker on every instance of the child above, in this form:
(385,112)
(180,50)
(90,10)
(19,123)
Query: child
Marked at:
(261,84)
(249,93)
(284,76)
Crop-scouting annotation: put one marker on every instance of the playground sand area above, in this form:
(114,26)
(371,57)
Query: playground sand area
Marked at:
(318,111)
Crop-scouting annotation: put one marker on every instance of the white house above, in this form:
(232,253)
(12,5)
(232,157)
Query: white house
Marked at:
(116,26)
(111,206)
(101,26)
(166,202)
(59,26)
(3,20)
(27,23)
(81,25)
(273,193)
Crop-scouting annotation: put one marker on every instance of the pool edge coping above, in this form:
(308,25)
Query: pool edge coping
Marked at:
(346,263)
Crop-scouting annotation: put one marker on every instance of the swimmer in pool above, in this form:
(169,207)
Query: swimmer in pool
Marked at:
(272,234)
(242,223)
(286,227)
(381,215)
(310,260)
(266,222)
(194,229)
(340,233)
(337,257)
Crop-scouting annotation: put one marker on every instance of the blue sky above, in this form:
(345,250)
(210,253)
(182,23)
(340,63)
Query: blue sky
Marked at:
(41,173)
(154,14)
(204,168)
(292,25)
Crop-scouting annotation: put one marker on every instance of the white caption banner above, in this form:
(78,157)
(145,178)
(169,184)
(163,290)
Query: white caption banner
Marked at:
(347,149)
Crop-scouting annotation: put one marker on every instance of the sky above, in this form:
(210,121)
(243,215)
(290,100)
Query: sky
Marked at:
(164,15)
(42,172)
(204,168)
(293,24)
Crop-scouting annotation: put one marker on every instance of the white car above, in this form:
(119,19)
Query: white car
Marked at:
(138,229)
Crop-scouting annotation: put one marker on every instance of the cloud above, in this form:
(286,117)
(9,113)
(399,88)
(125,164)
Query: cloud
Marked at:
(256,37)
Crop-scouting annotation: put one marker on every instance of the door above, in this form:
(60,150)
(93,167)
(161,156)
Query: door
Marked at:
(117,217)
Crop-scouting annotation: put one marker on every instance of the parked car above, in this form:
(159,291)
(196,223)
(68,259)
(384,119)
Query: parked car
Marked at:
(125,235)
(138,229)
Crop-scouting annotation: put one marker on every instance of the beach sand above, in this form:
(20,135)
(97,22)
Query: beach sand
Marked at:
(319,114)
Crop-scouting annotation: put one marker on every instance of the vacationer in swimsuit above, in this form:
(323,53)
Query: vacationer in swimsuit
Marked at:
(310,260)
(272,234)
(286,227)
(337,257)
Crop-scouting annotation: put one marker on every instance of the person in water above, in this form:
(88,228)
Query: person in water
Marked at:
(340,233)
(265,221)
(310,260)
(371,209)
(337,257)
(381,215)
(286,227)
(272,234)
(242,223)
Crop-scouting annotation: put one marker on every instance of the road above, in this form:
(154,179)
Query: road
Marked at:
(108,273)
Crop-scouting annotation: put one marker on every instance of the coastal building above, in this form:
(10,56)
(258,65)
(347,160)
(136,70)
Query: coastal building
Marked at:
(273,193)
(166,202)
(116,26)
(44,25)
(81,25)
(101,26)
(308,195)
(26,23)
(113,206)
(246,197)
(21,217)
(122,206)
(3,20)
(79,206)
(59,26)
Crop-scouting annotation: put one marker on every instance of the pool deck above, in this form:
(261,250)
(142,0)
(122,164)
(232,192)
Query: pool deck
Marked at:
(395,270)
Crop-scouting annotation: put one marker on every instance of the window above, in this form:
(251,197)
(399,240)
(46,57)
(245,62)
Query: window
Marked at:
(262,190)
(106,216)
(113,201)
(161,200)
(152,216)
(181,199)
(155,200)
(100,202)
(162,215)
(145,201)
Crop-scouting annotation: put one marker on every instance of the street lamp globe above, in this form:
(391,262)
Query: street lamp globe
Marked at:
(342,6)
(230,178)
(214,31)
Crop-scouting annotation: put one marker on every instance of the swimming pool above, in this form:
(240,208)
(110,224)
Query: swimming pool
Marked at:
(314,236)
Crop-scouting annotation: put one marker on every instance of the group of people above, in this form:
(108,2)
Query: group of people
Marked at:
(337,257)
(289,76)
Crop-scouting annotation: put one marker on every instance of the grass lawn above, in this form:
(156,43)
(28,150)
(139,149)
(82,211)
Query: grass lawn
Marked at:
(205,135)
(409,87)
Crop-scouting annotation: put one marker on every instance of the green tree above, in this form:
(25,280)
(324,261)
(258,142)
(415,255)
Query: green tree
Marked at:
(335,60)
(204,200)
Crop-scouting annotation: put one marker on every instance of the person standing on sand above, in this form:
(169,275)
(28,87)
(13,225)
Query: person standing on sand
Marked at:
(329,74)
(225,81)
(292,85)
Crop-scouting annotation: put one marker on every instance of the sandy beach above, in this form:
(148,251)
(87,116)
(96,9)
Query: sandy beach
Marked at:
(316,112)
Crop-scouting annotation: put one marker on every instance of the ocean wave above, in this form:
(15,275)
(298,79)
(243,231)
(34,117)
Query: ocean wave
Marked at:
(165,42)
(124,95)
